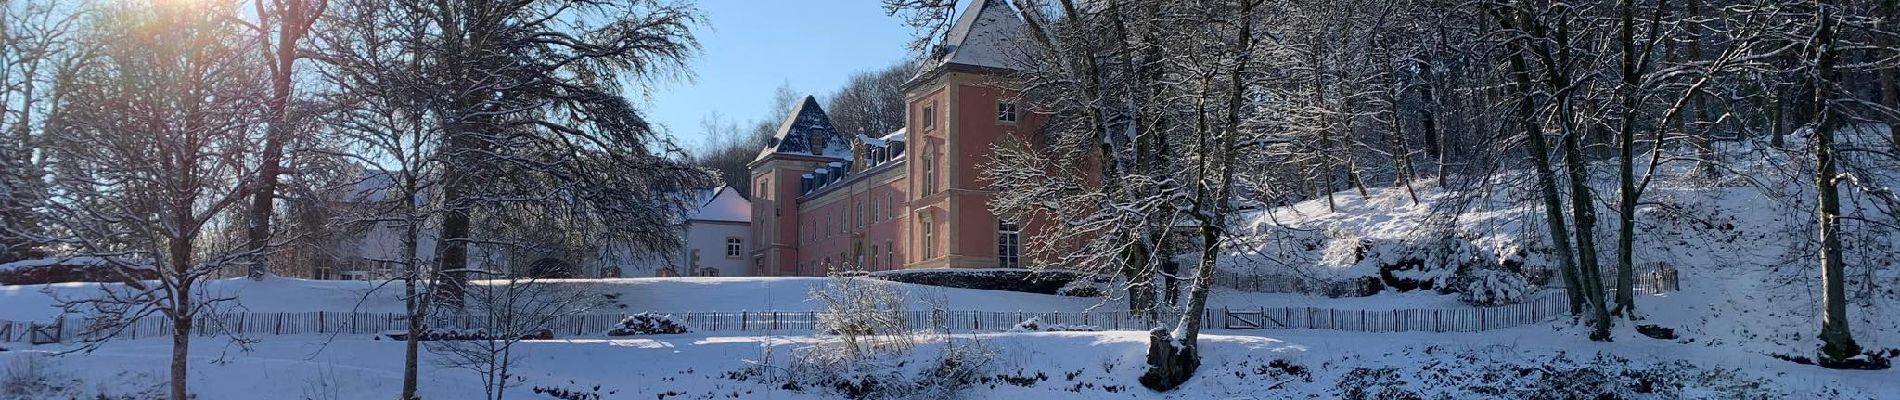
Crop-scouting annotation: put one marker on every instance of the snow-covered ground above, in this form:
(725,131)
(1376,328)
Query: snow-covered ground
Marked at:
(1743,243)
(668,295)
(1055,365)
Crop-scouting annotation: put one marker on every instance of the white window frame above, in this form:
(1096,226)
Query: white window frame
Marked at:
(1009,245)
(1005,112)
(930,115)
(930,239)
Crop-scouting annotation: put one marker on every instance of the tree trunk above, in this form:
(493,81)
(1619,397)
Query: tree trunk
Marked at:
(1401,153)
(1705,134)
(182,309)
(293,21)
(1775,138)
(415,306)
(1169,363)
(1889,95)
(1583,212)
(181,349)
(1837,341)
(1173,357)
(1546,182)
(1141,287)
(1626,158)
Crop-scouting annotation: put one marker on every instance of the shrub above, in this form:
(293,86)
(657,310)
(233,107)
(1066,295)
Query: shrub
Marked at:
(437,334)
(875,354)
(1085,287)
(1015,280)
(1406,265)
(74,269)
(890,374)
(647,324)
(1035,325)
(1490,286)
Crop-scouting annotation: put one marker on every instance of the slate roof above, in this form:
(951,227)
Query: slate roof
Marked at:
(986,35)
(807,131)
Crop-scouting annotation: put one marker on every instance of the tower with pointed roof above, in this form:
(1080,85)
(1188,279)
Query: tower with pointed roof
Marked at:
(804,142)
(960,105)
(914,198)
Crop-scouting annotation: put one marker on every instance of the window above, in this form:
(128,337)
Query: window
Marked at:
(890,255)
(930,170)
(930,115)
(734,246)
(873,260)
(930,240)
(860,213)
(1005,111)
(1008,245)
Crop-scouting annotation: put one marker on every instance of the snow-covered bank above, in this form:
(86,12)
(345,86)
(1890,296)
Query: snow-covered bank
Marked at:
(1743,245)
(1056,365)
(671,295)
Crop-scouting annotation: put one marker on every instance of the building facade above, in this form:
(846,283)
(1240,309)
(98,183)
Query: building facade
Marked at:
(915,198)
(714,241)
(717,241)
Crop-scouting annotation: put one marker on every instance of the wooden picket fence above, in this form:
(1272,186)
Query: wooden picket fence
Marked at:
(1648,279)
(1473,319)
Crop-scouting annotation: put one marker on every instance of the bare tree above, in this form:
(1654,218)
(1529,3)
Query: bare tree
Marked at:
(38,48)
(871,103)
(290,22)
(529,91)
(147,149)
(375,90)
(507,310)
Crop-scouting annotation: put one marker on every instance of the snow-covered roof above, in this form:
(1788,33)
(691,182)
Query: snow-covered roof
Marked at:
(897,136)
(807,131)
(985,35)
(724,205)
(90,261)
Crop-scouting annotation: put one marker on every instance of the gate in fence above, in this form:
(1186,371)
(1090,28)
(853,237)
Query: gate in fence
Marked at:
(1249,319)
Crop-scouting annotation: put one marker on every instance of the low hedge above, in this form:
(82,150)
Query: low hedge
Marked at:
(1015,280)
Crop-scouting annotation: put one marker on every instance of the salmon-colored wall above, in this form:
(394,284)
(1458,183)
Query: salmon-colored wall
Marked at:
(836,235)
(961,138)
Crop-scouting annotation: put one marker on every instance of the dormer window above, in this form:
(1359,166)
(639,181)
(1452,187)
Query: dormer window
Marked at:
(1005,112)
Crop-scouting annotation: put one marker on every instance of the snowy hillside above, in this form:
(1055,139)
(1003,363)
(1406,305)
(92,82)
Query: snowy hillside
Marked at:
(1743,245)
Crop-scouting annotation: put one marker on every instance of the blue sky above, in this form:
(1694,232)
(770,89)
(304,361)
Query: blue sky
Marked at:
(750,47)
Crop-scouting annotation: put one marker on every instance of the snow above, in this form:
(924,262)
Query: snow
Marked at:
(666,295)
(1743,245)
(725,205)
(73,260)
(987,34)
(1054,365)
